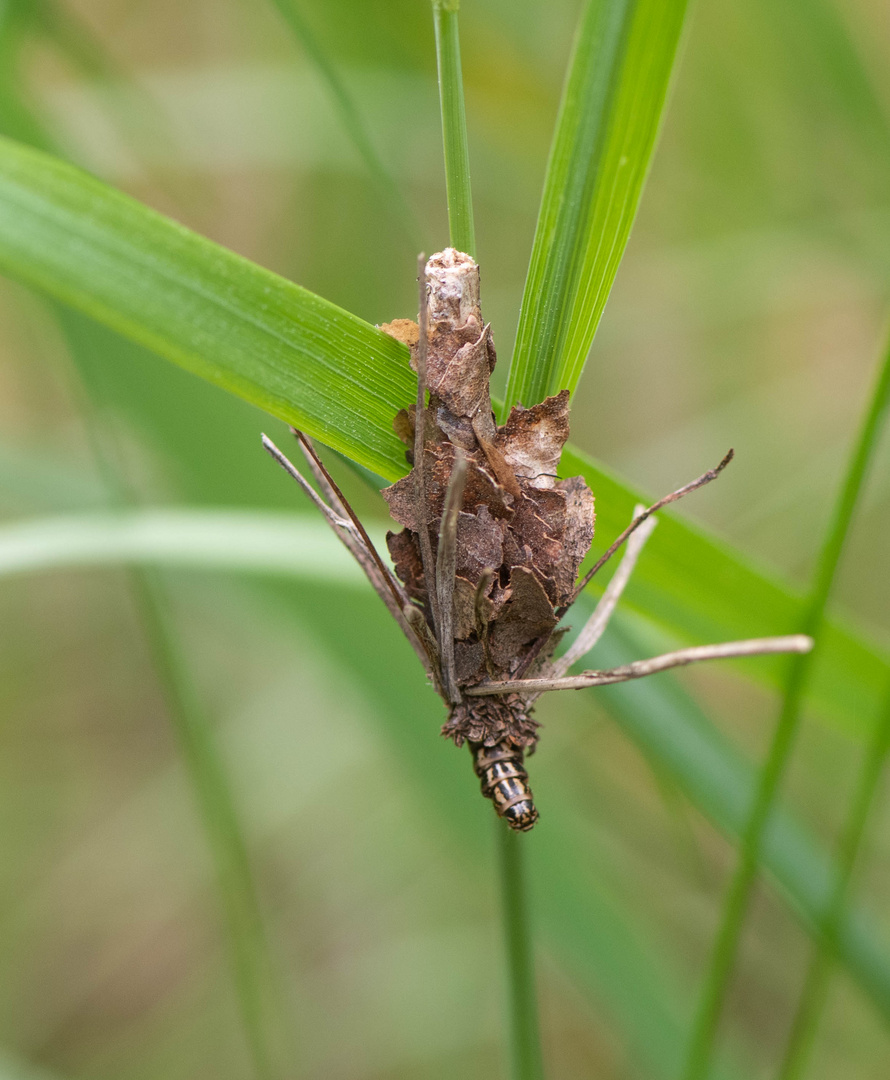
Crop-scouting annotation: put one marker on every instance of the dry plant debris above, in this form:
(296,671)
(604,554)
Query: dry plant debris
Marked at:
(491,543)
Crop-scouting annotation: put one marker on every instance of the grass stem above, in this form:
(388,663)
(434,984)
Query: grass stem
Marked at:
(815,989)
(255,980)
(350,117)
(525,1040)
(250,957)
(738,897)
(454,127)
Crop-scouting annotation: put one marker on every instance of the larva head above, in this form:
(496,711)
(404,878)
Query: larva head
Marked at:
(521,816)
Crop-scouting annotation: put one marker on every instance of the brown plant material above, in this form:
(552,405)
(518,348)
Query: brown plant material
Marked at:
(521,532)
(486,563)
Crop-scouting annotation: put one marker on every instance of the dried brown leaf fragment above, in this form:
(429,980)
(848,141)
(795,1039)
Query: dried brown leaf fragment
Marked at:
(521,533)
(492,542)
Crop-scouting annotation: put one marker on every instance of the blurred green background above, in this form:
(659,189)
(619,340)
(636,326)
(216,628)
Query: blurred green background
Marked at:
(749,311)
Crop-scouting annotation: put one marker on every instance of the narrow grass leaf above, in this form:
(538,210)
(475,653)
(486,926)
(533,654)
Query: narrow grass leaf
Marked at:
(454,127)
(254,541)
(269,341)
(525,1037)
(741,887)
(605,135)
(812,1000)
(671,730)
(349,114)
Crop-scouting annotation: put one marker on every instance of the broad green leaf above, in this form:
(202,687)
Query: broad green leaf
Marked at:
(271,342)
(608,122)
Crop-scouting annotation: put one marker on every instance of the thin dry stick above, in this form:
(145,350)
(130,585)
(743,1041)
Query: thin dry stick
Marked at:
(363,552)
(446,562)
(796,643)
(420,506)
(596,625)
(399,594)
(333,518)
(320,473)
(705,478)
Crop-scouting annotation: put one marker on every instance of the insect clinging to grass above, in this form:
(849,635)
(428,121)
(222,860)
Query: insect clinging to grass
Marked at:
(487,561)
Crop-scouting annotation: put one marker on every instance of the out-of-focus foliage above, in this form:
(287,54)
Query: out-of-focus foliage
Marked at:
(748,311)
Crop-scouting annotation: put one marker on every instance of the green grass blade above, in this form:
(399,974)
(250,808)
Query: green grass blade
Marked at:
(195,303)
(454,127)
(349,114)
(605,135)
(254,976)
(741,887)
(812,999)
(525,1039)
(253,541)
(671,730)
